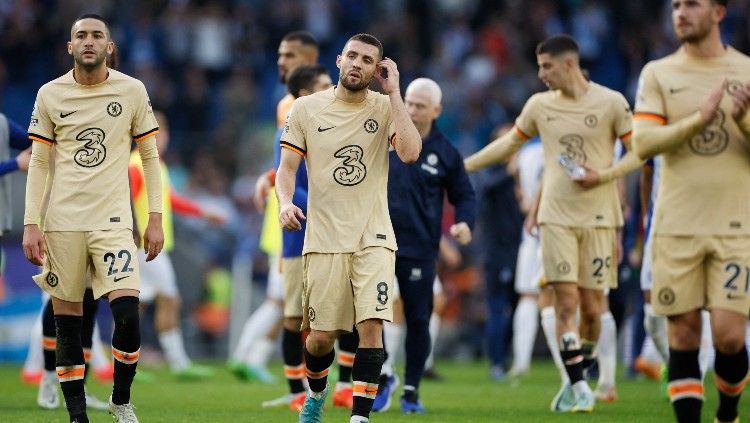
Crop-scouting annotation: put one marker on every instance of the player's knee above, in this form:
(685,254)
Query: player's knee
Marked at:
(590,315)
(292,323)
(683,336)
(729,342)
(565,311)
(125,312)
(319,343)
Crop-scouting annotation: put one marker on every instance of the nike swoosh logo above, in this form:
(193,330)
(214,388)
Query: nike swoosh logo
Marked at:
(63,115)
(677,90)
(324,129)
(734,297)
(380,309)
(121,278)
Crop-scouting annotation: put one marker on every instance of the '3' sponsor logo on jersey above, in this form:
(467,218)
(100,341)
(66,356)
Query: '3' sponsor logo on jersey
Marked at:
(93,151)
(352,171)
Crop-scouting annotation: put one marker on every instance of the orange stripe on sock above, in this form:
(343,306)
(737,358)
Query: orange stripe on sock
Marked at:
(727,388)
(345,358)
(294,372)
(679,388)
(68,373)
(364,389)
(126,357)
(574,360)
(49,343)
(316,375)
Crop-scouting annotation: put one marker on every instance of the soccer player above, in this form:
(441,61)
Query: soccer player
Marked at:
(415,200)
(578,122)
(256,342)
(158,279)
(302,81)
(90,116)
(692,109)
(344,134)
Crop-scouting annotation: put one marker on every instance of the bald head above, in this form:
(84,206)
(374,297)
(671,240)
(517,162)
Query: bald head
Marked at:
(422,100)
(426,87)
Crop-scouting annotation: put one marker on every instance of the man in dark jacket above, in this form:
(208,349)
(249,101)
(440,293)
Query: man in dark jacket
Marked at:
(415,199)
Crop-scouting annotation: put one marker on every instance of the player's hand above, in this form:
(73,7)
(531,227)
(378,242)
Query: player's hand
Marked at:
(153,236)
(137,238)
(290,216)
(741,100)
(710,108)
(23,158)
(215,218)
(33,244)
(531,224)
(390,83)
(451,256)
(589,179)
(461,233)
(262,188)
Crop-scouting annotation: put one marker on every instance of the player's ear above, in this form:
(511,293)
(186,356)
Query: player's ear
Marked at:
(338,61)
(719,12)
(438,110)
(70,47)
(110,47)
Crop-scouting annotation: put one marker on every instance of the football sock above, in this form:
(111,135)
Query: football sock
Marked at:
(126,346)
(548,323)
(174,349)
(87,326)
(317,369)
(294,369)
(656,328)
(366,373)
(392,342)
(99,359)
(260,352)
(570,351)
(434,329)
(706,354)
(685,386)
(348,343)
(589,353)
(525,324)
(70,365)
(49,337)
(256,327)
(607,350)
(731,377)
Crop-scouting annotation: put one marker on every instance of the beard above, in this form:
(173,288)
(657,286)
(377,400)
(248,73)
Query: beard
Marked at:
(90,65)
(696,33)
(361,85)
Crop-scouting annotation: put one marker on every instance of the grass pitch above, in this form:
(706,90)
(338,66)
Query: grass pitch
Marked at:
(467,395)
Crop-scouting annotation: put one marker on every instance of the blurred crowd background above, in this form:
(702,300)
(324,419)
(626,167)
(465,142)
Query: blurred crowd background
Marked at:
(211,67)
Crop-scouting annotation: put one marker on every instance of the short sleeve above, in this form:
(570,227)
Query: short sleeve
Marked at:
(649,102)
(293,135)
(392,133)
(526,121)
(41,127)
(623,117)
(144,123)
